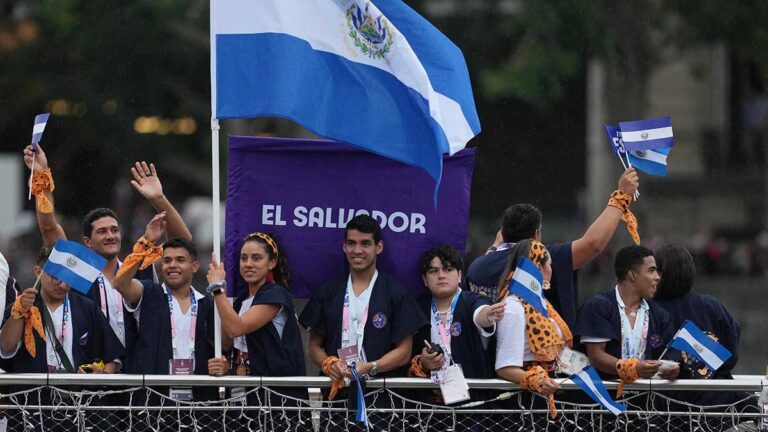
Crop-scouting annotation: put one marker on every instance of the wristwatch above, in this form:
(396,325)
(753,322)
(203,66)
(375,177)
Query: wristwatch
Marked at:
(374,369)
(217,288)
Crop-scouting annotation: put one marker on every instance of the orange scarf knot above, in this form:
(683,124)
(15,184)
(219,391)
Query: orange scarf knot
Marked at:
(627,370)
(144,252)
(621,201)
(416,368)
(43,182)
(34,323)
(337,384)
(533,380)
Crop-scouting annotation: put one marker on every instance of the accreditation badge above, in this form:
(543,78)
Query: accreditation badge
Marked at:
(454,386)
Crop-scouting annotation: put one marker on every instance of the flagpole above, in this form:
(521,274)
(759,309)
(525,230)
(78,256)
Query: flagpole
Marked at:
(667,347)
(216,199)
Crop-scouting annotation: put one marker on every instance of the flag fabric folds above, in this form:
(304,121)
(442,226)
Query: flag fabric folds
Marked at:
(37,130)
(373,74)
(74,264)
(647,134)
(692,340)
(527,283)
(652,161)
(593,386)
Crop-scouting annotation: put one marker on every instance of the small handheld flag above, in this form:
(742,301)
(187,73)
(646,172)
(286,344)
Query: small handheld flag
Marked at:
(527,283)
(647,134)
(37,130)
(362,414)
(74,264)
(652,161)
(692,340)
(614,138)
(593,386)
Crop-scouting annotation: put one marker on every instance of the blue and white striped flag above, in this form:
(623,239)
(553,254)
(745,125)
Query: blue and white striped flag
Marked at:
(370,73)
(647,134)
(527,283)
(652,161)
(74,264)
(695,342)
(614,139)
(37,130)
(593,386)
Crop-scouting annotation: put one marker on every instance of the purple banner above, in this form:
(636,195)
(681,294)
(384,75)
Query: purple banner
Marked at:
(305,191)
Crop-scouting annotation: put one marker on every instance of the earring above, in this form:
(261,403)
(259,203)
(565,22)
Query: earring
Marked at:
(270,276)
(546,285)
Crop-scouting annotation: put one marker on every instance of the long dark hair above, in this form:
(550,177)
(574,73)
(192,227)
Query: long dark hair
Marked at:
(280,273)
(677,270)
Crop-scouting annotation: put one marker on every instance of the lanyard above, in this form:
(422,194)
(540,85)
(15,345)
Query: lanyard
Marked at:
(347,323)
(192,323)
(633,339)
(443,330)
(105,304)
(64,320)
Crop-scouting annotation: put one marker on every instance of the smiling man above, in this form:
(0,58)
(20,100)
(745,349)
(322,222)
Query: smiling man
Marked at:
(623,329)
(366,316)
(102,233)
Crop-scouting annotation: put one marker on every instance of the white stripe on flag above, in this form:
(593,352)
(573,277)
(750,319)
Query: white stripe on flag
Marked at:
(710,358)
(651,156)
(325,31)
(651,134)
(604,402)
(38,128)
(82,269)
(526,279)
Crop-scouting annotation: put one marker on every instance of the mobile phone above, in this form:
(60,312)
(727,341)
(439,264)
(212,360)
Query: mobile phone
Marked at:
(433,348)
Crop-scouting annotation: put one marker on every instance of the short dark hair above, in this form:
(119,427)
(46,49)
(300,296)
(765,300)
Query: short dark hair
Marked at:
(181,242)
(95,215)
(448,255)
(520,222)
(629,258)
(43,255)
(365,224)
(677,270)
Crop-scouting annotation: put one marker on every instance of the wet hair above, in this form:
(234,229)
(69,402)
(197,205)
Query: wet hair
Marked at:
(521,249)
(269,242)
(95,215)
(519,222)
(677,270)
(629,258)
(449,257)
(43,255)
(364,224)
(183,243)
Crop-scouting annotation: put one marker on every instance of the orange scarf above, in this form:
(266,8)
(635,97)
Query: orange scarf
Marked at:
(34,322)
(621,201)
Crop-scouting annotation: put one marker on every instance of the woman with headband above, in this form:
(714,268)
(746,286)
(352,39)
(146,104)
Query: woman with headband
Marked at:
(528,343)
(262,322)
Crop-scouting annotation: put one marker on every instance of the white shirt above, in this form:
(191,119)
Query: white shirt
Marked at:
(113,298)
(358,305)
(239,342)
(634,338)
(485,336)
(182,323)
(511,337)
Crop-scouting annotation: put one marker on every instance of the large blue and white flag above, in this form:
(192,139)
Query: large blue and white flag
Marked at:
(647,134)
(695,342)
(37,130)
(74,264)
(593,386)
(373,74)
(527,283)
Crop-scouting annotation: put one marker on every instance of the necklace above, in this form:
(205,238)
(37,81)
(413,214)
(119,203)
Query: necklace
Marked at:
(632,311)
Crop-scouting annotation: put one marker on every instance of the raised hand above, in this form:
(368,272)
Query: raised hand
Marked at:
(145,181)
(495,312)
(216,271)
(155,228)
(629,181)
(41,161)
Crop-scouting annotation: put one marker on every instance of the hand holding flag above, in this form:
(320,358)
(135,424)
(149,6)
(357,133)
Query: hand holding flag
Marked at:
(41,120)
(644,143)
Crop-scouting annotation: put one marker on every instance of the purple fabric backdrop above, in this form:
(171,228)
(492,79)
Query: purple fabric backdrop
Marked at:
(304,192)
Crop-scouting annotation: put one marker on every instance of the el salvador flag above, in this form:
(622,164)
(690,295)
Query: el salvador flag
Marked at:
(593,386)
(74,264)
(652,161)
(614,139)
(37,130)
(527,283)
(373,74)
(695,342)
(647,134)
